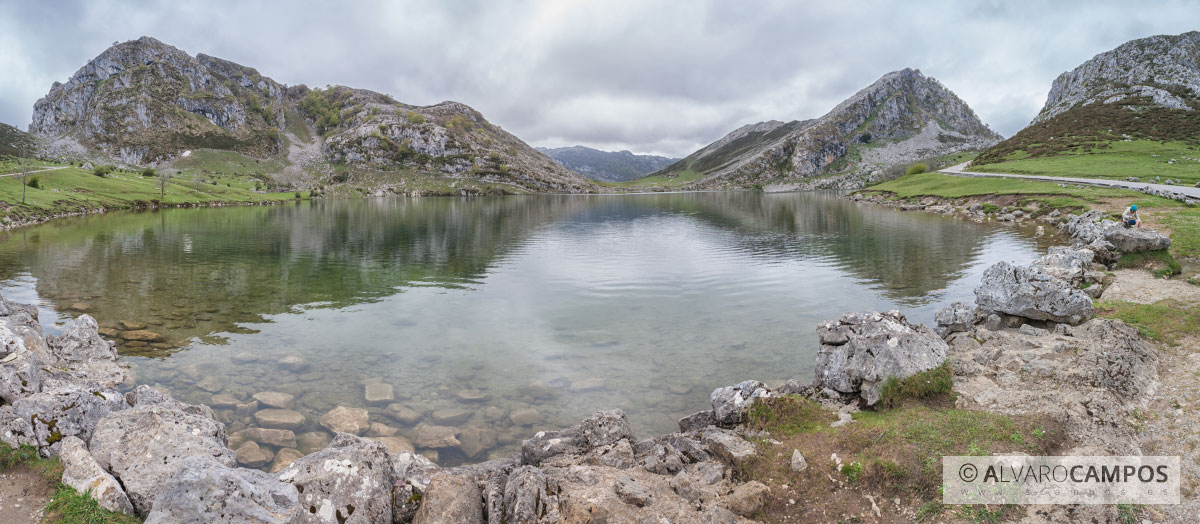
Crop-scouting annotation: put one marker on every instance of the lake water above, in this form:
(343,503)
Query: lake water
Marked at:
(495,306)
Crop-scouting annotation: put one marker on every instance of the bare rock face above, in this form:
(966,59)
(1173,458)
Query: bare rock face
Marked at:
(861,351)
(1136,240)
(1091,377)
(84,353)
(600,429)
(956,317)
(729,402)
(80,471)
(1031,293)
(527,497)
(451,498)
(1154,67)
(412,474)
(143,447)
(208,490)
(1067,263)
(349,482)
(67,410)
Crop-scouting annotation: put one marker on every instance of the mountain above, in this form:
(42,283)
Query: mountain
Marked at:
(14,142)
(144,102)
(903,117)
(1145,89)
(607,166)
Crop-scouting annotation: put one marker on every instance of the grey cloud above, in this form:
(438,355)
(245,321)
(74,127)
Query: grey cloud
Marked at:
(652,77)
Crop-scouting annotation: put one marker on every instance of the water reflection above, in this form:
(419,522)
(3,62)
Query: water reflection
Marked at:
(521,313)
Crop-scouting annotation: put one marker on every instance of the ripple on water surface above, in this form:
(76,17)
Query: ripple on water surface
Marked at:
(495,316)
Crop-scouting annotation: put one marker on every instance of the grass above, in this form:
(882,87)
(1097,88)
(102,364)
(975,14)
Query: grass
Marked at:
(1167,321)
(66,506)
(75,190)
(1185,232)
(929,384)
(1160,262)
(896,451)
(1144,159)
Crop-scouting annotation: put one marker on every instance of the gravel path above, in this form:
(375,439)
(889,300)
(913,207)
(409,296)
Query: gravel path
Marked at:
(1194,192)
(35,171)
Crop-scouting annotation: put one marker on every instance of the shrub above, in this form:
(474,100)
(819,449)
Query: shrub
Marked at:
(148,172)
(102,171)
(927,384)
(298,195)
(917,168)
(34,182)
(415,117)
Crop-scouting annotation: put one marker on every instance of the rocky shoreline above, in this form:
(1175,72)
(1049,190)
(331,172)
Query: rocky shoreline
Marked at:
(1028,345)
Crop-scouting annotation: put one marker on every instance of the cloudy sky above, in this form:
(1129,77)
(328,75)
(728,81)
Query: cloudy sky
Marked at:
(649,76)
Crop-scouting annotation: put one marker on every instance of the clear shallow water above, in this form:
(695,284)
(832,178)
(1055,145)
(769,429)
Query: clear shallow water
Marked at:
(562,304)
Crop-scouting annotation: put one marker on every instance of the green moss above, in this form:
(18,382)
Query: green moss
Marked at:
(1166,321)
(929,384)
(1161,263)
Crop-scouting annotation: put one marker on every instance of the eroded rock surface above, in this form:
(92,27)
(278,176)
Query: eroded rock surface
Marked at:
(348,482)
(209,491)
(860,351)
(1032,293)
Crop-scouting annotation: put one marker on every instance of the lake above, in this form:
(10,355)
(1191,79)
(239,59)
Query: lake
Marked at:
(505,315)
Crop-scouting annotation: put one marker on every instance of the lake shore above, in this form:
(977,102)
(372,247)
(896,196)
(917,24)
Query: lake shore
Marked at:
(746,458)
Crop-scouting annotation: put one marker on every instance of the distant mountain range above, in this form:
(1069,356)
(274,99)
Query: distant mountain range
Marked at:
(607,166)
(1145,89)
(903,117)
(144,102)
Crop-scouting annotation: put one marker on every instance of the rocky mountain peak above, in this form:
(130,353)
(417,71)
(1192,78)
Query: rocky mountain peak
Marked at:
(1164,69)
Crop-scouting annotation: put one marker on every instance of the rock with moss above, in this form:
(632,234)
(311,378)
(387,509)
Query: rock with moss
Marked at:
(861,351)
(81,351)
(67,410)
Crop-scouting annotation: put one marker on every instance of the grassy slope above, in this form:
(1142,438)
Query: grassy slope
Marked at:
(1144,159)
(75,189)
(892,452)
(1183,222)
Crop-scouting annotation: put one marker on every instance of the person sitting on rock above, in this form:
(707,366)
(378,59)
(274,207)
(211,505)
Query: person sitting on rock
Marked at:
(1130,217)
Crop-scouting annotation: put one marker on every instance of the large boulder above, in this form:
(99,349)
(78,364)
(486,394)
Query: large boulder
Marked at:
(81,472)
(348,482)
(528,499)
(729,402)
(1089,227)
(144,446)
(144,395)
(1031,293)
(205,490)
(1136,240)
(955,318)
(860,351)
(20,374)
(602,428)
(451,497)
(1067,263)
(68,410)
(82,352)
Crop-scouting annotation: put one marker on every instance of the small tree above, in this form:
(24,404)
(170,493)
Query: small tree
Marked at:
(24,177)
(162,184)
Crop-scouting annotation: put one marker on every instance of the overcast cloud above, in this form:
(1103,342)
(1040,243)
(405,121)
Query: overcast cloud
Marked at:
(648,76)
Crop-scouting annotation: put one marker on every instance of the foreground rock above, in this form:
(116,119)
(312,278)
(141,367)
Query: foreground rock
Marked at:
(1032,293)
(143,447)
(860,352)
(81,351)
(66,410)
(452,498)
(209,491)
(81,472)
(348,482)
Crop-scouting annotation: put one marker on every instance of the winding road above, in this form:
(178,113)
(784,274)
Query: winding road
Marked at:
(1193,192)
(35,171)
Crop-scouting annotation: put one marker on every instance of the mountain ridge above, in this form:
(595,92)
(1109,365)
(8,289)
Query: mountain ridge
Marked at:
(903,116)
(144,102)
(606,166)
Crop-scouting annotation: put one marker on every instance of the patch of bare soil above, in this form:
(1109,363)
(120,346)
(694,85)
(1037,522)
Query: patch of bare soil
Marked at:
(23,496)
(1141,287)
